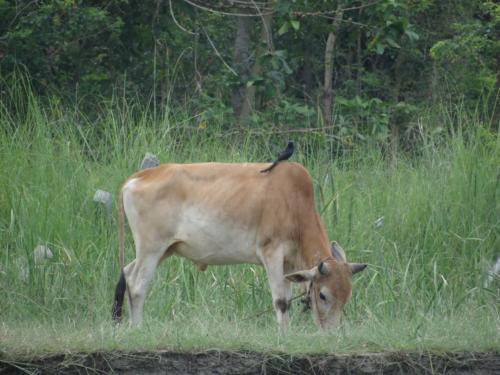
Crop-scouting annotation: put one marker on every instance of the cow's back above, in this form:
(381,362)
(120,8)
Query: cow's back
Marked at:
(218,213)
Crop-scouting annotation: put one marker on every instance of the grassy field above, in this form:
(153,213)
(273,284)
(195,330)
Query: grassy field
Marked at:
(424,288)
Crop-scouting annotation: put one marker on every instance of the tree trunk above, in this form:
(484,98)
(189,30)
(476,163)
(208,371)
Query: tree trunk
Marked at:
(241,64)
(306,71)
(431,93)
(197,75)
(266,39)
(359,62)
(328,80)
(395,121)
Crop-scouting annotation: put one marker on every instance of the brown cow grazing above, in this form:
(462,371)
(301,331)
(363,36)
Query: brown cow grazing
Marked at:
(215,213)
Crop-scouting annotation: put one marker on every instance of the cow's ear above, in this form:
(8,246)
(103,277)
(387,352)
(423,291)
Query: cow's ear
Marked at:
(301,276)
(337,252)
(357,267)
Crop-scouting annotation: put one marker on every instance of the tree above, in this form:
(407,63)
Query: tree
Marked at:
(329,55)
(242,64)
(471,57)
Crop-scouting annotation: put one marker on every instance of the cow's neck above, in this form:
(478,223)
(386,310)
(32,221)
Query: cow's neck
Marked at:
(314,247)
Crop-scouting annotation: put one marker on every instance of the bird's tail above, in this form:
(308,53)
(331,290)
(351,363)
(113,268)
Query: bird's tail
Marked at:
(269,169)
(284,155)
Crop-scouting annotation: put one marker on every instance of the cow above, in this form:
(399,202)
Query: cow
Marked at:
(230,213)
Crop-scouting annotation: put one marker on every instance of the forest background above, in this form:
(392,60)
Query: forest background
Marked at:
(357,69)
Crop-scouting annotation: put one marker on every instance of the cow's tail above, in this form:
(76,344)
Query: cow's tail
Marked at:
(122,284)
(121,231)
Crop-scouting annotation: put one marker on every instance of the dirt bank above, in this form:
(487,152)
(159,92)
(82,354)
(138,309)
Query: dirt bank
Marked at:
(215,362)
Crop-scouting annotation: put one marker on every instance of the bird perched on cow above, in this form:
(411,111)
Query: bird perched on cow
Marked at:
(284,155)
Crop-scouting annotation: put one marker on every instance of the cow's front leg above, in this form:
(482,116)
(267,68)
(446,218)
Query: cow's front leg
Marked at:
(280,287)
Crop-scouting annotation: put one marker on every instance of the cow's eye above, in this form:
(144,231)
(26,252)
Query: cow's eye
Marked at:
(322,296)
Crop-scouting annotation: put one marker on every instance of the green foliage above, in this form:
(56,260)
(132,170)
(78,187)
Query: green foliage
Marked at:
(470,56)
(177,54)
(286,115)
(62,43)
(364,117)
(392,26)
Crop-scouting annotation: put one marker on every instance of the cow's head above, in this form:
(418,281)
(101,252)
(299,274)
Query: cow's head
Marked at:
(329,286)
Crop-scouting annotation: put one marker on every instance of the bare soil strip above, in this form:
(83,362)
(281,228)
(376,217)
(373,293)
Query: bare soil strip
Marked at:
(217,362)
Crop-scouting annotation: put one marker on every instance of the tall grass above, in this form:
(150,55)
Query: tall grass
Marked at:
(424,288)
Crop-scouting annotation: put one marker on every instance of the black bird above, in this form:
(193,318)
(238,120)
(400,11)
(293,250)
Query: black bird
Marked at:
(284,155)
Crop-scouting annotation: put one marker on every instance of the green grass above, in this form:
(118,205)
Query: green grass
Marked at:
(424,288)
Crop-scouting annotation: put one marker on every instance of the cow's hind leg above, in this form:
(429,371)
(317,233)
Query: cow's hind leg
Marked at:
(139,278)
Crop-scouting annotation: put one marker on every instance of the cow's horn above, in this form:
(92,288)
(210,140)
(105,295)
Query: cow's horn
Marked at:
(323,268)
(357,267)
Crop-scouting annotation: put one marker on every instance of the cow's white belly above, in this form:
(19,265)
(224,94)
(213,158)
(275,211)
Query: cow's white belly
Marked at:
(206,238)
